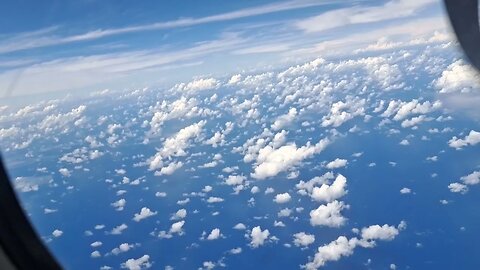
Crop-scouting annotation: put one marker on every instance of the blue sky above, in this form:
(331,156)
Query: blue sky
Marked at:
(89,45)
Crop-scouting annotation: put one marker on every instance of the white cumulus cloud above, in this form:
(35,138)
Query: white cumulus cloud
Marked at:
(344,247)
(471,179)
(145,212)
(472,138)
(458,77)
(328,193)
(198,85)
(214,234)
(285,119)
(271,161)
(258,236)
(282,198)
(328,215)
(175,146)
(303,239)
(337,163)
(137,264)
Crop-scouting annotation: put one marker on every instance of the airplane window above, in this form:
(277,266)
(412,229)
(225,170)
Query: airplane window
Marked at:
(289,134)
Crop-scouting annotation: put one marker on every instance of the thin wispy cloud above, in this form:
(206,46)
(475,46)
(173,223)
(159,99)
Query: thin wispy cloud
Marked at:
(357,15)
(411,33)
(84,71)
(45,37)
(240,46)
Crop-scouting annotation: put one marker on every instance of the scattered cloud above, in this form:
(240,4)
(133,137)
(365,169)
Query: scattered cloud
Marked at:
(284,120)
(472,138)
(328,215)
(344,247)
(119,205)
(328,193)
(214,200)
(240,226)
(145,212)
(341,112)
(302,239)
(271,161)
(472,178)
(282,198)
(197,85)
(258,236)
(337,163)
(214,234)
(57,233)
(119,229)
(124,247)
(180,214)
(377,232)
(175,146)
(458,77)
(458,188)
(137,264)
(235,180)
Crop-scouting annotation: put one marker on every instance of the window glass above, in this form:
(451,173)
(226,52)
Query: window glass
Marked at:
(242,134)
